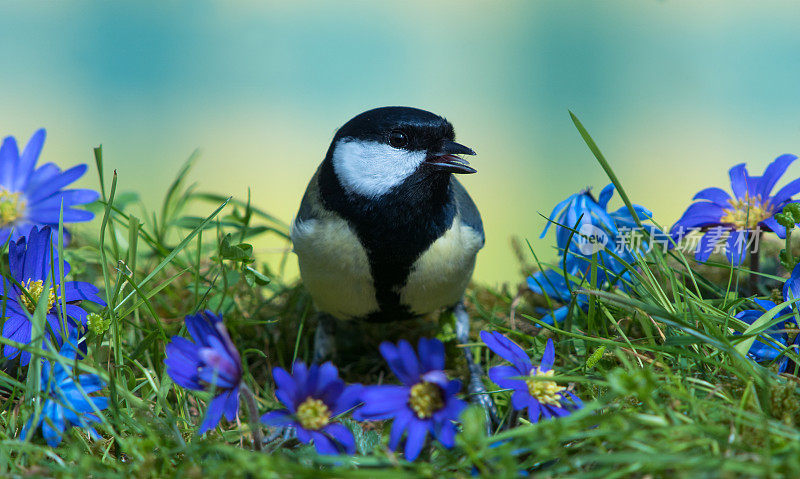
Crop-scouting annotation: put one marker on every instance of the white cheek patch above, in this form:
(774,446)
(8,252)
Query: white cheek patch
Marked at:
(370,168)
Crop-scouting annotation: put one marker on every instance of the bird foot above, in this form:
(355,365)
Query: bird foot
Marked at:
(475,387)
(324,340)
(280,435)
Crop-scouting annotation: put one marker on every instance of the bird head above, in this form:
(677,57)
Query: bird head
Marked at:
(383,148)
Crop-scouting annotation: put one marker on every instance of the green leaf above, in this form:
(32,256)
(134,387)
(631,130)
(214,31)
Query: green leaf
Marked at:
(239,252)
(260,278)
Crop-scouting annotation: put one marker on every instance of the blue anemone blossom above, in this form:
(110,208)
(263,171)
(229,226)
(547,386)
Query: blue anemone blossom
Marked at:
(425,403)
(34,263)
(762,351)
(210,363)
(31,196)
(543,398)
(314,396)
(67,401)
(734,218)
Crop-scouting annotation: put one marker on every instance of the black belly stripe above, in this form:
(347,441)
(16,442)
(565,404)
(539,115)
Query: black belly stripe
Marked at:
(395,230)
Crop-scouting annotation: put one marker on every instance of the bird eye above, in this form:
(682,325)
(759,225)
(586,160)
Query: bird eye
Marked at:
(398,139)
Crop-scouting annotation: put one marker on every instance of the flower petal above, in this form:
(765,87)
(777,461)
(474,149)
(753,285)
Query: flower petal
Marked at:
(736,249)
(708,243)
(605,195)
(214,413)
(773,173)
(534,410)
(558,208)
(417,432)
(401,360)
(323,443)
(549,356)
(500,375)
(382,402)
(431,354)
(285,383)
(281,417)
(791,288)
(399,426)
(784,194)
(56,183)
(738,175)
(9,158)
(507,349)
(27,160)
(350,398)
(699,215)
(343,436)
(772,225)
(718,196)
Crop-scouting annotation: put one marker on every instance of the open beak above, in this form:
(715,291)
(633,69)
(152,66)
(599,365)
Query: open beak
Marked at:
(446,158)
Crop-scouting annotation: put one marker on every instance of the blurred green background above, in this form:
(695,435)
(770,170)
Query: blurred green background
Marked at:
(674,92)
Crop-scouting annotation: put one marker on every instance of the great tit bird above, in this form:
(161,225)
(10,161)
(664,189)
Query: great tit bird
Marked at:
(385,232)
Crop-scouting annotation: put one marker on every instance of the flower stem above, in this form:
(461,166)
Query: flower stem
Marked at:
(789,256)
(755,265)
(252,415)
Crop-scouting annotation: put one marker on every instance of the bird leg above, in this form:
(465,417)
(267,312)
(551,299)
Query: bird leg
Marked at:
(280,435)
(324,339)
(476,388)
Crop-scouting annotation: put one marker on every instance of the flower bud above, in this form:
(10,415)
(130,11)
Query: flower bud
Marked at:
(97,324)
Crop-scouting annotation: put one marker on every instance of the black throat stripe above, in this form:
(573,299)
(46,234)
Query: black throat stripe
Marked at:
(395,229)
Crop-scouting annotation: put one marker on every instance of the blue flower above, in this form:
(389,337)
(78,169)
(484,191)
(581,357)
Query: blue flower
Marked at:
(543,398)
(581,219)
(66,397)
(752,206)
(313,398)
(210,363)
(762,351)
(583,206)
(581,216)
(31,196)
(426,401)
(552,284)
(32,262)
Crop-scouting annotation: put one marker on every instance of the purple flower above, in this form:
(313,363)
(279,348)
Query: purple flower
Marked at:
(426,401)
(33,262)
(313,398)
(543,398)
(66,404)
(210,363)
(31,196)
(752,206)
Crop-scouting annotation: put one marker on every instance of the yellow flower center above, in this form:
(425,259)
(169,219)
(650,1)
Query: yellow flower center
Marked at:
(747,213)
(313,414)
(425,399)
(546,392)
(35,289)
(12,206)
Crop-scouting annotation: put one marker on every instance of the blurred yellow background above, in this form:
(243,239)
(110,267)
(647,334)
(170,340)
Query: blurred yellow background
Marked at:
(674,92)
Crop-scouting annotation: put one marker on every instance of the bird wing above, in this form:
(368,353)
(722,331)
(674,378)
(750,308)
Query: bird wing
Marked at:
(311,205)
(467,210)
